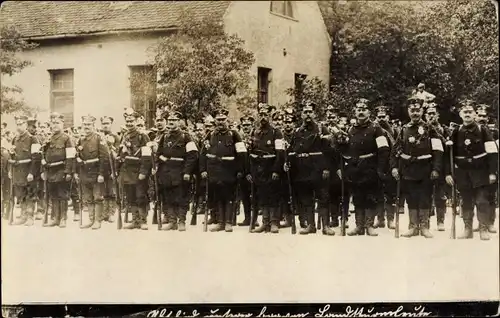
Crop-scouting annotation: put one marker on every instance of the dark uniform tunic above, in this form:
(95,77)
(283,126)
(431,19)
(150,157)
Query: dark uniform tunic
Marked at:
(5,185)
(441,189)
(245,186)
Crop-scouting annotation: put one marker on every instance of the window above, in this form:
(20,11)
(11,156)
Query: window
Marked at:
(62,95)
(282,7)
(263,84)
(143,91)
(299,86)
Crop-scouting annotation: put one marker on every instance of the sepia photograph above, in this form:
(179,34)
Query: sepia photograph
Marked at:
(249,158)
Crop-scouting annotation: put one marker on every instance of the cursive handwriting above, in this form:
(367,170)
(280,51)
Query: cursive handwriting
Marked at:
(227,313)
(170,313)
(263,313)
(361,311)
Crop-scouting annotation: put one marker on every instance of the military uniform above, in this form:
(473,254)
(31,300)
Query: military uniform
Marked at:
(223,162)
(135,167)
(311,160)
(74,189)
(266,150)
(93,165)
(176,159)
(59,164)
(475,159)
(110,195)
(417,160)
(246,123)
(366,154)
(6,179)
(286,213)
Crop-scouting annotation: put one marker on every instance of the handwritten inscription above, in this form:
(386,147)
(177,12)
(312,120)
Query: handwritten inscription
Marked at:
(418,311)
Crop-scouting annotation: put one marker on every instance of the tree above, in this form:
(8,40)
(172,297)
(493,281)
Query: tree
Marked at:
(200,65)
(11,44)
(310,90)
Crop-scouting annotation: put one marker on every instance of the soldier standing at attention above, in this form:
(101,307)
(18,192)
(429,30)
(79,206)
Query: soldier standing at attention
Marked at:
(59,160)
(135,168)
(25,160)
(113,143)
(366,151)
(176,159)
(223,163)
(246,124)
(311,160)
(475,158)
(266,151)
(419,153)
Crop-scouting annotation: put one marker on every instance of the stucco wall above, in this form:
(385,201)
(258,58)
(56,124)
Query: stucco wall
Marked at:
(266,34)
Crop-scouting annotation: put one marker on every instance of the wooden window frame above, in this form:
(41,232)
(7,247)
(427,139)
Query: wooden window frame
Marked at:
(150,112)
(287,9)
(63,92)
(263,90)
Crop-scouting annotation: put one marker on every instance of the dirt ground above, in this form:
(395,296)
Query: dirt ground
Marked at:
(87,266)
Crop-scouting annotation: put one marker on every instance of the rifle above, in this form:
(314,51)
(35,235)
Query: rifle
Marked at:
(449,143)
(343,220)
(117,189)
(11,193)
(158,204)
(236,204)
(205,224)
(80,198)
(194,200)
(252,207)
(396,206)
(319,216)
(290,202)
(46,199)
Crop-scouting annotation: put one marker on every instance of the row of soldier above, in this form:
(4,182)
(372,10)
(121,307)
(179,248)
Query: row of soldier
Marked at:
(277,165)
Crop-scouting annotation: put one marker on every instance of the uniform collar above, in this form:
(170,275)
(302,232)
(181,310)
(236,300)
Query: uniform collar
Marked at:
(419,123)
(312,126)
(470,127)
(365,124)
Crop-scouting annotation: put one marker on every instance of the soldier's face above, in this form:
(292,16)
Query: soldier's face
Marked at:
(130,123)
(57,126)
(246,127)
(482,119)
(21,126)
(415,113)
(161,124)
(288,125)
(106,126)
(361,113)
(278,123)
(221,122)
(383,118)
(172,124)
(467,115)
(307,115)
(88,128)
(431,117)
(264,117)
(209,127)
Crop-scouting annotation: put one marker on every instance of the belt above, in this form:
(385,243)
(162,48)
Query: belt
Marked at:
(263,156)
(19,161)
(369,155)
(469,159)
(132,158)
(87,161)
(163,158)
(53,164)
(305,154)
(222,158)
(408,157)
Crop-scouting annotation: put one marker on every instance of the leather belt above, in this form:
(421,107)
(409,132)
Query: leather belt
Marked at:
(369,155)
(221,158)
(87,161)
(408,157)
(19,161)
(132,158)
(164,159)
(262,156)
(53,164)
(469,159)
(305,154)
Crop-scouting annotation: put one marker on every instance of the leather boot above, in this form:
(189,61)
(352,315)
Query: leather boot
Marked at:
(413,226)
(424,216)
(391,225)
(467,233)
(484,235)
(310,228)
(180,213)
(170,219)
(113,207)
(265,221)
(54,211)
(220,215)
(30,207)
(77,209)
(380,212)
(23,217)
(275,215)
(91,211)
(229,215)
(143,217)
(98,216)
(440,212)
(369,218)
(359,215)
(287,222)
(63,213)
(491,225)
(217,228)
(327,230)
(135,224)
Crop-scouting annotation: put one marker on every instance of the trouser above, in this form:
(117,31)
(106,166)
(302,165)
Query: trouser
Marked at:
(477,197)
(110,197)
(59,196)
(6,195)
(175,201)
(222,195)
(365,197)
(268,195)
(492,200)
(75,196)
(26,195)
(92,197)
(245,193)
(440,190)
(418,194)
(136,197)
(307,193)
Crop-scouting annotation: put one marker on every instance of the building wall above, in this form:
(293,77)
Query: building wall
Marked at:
(101,74)
(304,38)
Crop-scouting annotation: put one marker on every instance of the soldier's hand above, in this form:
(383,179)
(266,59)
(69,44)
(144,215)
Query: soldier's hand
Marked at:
(186,177)
(493,178)
(249,178)
(286,167)
(204,175)
(68,177)
(10,175)
(100,179)
(326,174)
(395,173)
(434,175)
(29,177)
(43,176)
(153,171)
(77,177)
(142,176)
(239,175)
(339,174)
(449,180)
(275,176)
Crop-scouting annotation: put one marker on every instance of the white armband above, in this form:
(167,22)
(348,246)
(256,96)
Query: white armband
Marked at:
(381,142)
(146,151)
(191,146)
(490,147)
(240,147)
(279,144)
(70,152)
(162,158)
(35,148)
(436,144)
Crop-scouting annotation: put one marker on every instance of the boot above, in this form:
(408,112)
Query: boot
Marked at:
(484,235)
(39,215)
(53,215)
(30,206)
(274,227)
(424,216)
(63,213)
(310,228)
(180,213)
(113,207)
(391,225)
(135,224)
(168,226)
(169,222)
(246,222)
(265,222)
(491,229)
(413,226)
(91,212)
(491,226)
(275,216)
(98,216)
(229,227)
(287,222)
(143,218)
(327,230)
(229,216)
(467,233)
(359,215)
(182,226)
(22,218)
(212,219)
(77,210)
(217,228)
(380,223)
(369,220)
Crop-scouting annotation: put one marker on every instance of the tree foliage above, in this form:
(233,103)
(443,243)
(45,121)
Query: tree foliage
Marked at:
(200,65)
(11,44)
(309,90)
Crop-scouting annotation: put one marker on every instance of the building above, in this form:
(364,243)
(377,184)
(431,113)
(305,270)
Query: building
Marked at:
(88,51)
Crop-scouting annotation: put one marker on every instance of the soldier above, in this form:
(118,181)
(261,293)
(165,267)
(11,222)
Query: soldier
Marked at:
(422,94)
(93,165)
(59,163)
(277,119)
(311,160)
(366,152)
(74,190)
(288,130)
(135,168)
(209,127)
(246,125)
(198,136)
(418,152)
(176,160)
(223,163)
(266,150)
(440,188)
(113,143)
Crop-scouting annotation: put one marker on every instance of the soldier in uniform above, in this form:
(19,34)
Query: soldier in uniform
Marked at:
(246,125)
(311,160)
(74,190)
(59,163)
(288,130)
(93,165)
(135,168)
(266,150)
(113,143)
(34,131)
(223,163)
(25,160)
(176,160)
(440,187)
(366,152)
(419,153)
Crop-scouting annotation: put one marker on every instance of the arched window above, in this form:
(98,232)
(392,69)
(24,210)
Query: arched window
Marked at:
(282,7)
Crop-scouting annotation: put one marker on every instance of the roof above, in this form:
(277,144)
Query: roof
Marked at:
(59,18)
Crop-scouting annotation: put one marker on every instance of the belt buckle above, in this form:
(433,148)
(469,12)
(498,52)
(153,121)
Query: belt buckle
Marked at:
(469,160)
